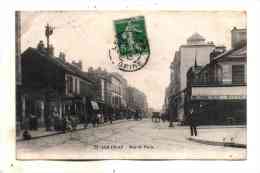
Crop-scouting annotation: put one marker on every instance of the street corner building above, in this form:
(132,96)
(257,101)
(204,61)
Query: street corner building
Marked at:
(209,79)
(50,84)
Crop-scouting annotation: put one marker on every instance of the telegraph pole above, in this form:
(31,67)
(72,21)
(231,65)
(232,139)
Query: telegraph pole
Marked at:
(48,32)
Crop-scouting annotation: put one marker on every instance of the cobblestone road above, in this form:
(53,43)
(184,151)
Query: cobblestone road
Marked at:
(129,139)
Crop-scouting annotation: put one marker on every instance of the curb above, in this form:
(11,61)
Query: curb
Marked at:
(61,132)
(225,144)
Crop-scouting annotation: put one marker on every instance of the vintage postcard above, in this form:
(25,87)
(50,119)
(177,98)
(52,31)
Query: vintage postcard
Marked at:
(131,85)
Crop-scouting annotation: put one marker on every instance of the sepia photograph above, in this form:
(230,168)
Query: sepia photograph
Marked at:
(142,85)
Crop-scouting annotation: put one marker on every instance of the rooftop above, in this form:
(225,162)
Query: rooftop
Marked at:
(59,63)
(196,37)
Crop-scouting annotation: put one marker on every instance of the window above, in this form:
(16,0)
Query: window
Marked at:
(76,86)
(219,74)
(70,84)
(238,74)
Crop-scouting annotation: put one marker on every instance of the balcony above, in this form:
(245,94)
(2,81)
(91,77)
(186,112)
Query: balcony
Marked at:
(218,83)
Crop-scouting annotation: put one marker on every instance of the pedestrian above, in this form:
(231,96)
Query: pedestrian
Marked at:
(48,123)
(86,120)
(193,123)
(26,123)
(26,126)
(33,122)
(94,119)
(31,117)
(64,123)
(26,135)
(56,120)
(110,117)
(136,115)
(69,126)
(98,119)
(163,117)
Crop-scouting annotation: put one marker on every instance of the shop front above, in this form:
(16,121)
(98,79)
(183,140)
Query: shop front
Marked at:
(75,107)
(219,105)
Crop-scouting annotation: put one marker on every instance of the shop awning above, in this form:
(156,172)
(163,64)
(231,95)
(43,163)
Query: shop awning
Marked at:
(94,105)
(132,110)
(219,93)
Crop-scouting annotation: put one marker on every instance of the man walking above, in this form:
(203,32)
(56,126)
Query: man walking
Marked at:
(193,123)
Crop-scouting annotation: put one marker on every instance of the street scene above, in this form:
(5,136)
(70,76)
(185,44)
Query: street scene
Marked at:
(121,91)
(132,138)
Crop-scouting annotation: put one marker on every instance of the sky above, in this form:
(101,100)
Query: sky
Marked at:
(88,36)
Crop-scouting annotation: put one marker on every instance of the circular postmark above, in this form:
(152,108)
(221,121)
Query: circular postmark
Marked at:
(129,62)
(130,51)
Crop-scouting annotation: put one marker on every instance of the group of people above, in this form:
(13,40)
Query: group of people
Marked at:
(66,123)
(55,122)
(137,116)
(97,119)
(69,122)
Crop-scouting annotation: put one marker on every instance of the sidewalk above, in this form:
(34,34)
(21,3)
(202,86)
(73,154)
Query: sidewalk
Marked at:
(41,132)
(221,136)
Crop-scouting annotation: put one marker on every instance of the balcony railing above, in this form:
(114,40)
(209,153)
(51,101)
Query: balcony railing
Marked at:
(217,83)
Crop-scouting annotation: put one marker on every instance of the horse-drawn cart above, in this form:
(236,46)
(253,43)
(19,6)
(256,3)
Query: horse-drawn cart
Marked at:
(156,117)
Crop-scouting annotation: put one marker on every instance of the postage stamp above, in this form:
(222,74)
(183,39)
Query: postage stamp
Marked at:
(131,85)
(131,46)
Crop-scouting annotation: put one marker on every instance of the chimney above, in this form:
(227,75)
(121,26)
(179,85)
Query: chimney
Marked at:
(62,56)
(238,38)
(77,64)
(80,64)
(40,45)
(90,69)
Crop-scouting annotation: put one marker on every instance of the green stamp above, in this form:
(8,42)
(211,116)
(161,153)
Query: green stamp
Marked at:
(131,43)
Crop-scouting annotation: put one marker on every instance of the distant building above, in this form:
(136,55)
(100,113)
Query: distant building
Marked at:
(196,48)
(102,92)
(111,91)
(119,83)
(137,101)
(165,102)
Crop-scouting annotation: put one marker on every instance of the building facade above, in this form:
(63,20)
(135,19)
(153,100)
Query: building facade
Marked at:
(111,91)
(137,101)
(102,89)
(118,90)
(18,70)
(196,48)
(218,90)
(51,84)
